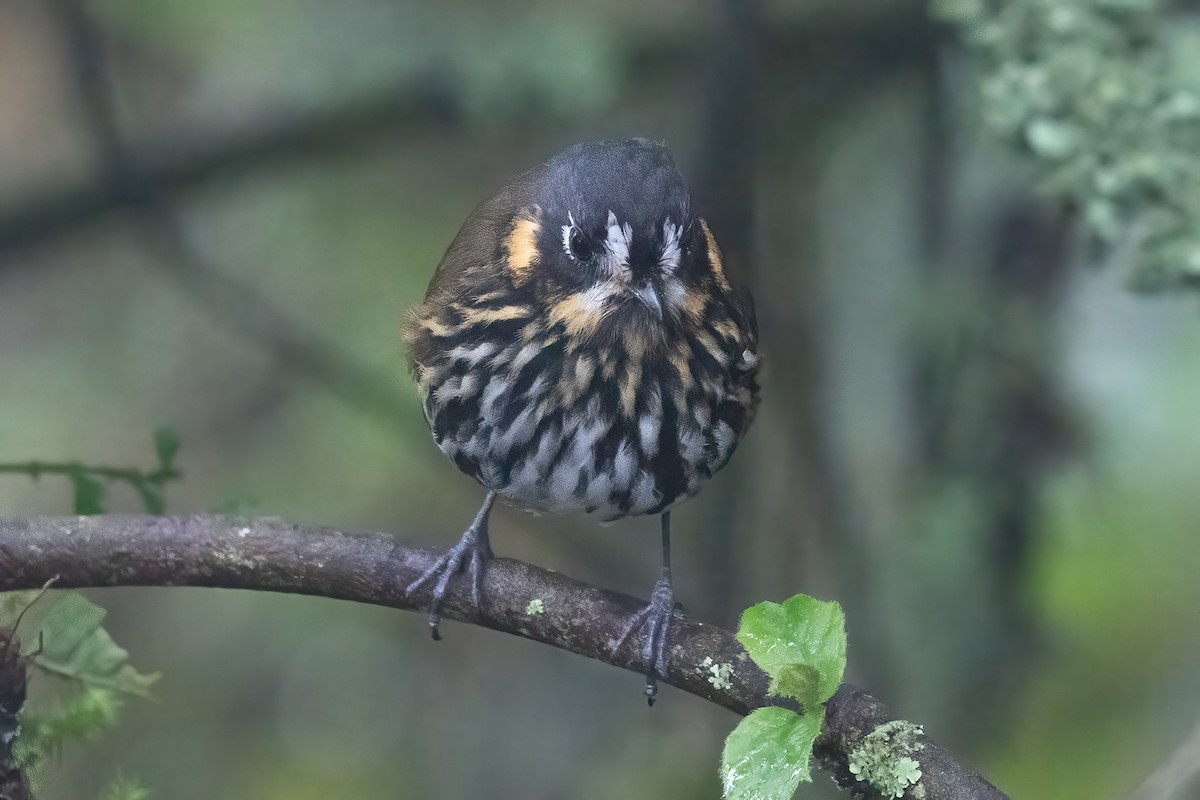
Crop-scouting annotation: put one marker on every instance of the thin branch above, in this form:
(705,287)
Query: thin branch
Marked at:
(272,555)
(35,469)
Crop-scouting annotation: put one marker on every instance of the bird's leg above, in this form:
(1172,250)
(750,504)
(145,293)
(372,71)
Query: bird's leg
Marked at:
(655,620)
(472,553)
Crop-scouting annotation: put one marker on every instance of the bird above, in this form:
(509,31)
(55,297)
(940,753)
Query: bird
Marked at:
(580,349)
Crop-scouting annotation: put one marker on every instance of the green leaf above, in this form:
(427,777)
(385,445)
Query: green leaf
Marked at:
(27,607)
(89,494)
(766,756)
(76,646)
(800,643)
(166,445)
(801,681)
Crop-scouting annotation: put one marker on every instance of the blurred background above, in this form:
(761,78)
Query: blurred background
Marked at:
(214,215)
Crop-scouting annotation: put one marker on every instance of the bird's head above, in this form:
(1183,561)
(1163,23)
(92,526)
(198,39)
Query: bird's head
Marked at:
(610,240)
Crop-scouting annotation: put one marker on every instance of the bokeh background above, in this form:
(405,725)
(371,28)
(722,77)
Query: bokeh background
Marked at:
(214,215)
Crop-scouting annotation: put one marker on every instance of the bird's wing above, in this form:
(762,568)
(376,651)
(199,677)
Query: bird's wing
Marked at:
(478,243)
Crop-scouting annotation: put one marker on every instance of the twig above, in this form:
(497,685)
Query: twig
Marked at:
(35,469)
(272,555)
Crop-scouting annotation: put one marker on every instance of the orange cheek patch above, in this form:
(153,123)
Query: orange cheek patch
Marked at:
(521,245)
(579,314)
(714,256)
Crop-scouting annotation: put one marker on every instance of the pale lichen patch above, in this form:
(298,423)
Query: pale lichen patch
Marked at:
(717,674)
(884,759)
(535,607)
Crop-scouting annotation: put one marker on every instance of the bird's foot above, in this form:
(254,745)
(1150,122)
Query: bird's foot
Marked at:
(470,555)
(655,622)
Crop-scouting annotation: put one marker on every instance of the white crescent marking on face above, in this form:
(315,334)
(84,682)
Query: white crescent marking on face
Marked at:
(566,235)
(669,260)
(617,244)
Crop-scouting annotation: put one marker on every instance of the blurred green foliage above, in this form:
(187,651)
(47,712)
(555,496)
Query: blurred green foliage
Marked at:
(1106,94)
(88,481)
(72,646)
(125,789)
(71,642)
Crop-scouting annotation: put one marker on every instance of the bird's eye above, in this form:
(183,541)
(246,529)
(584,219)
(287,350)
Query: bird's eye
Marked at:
(578,244)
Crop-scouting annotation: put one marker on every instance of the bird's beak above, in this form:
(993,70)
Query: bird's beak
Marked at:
(648,296)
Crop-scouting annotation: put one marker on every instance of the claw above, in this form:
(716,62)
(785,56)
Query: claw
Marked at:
(655,621)
(471,555)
